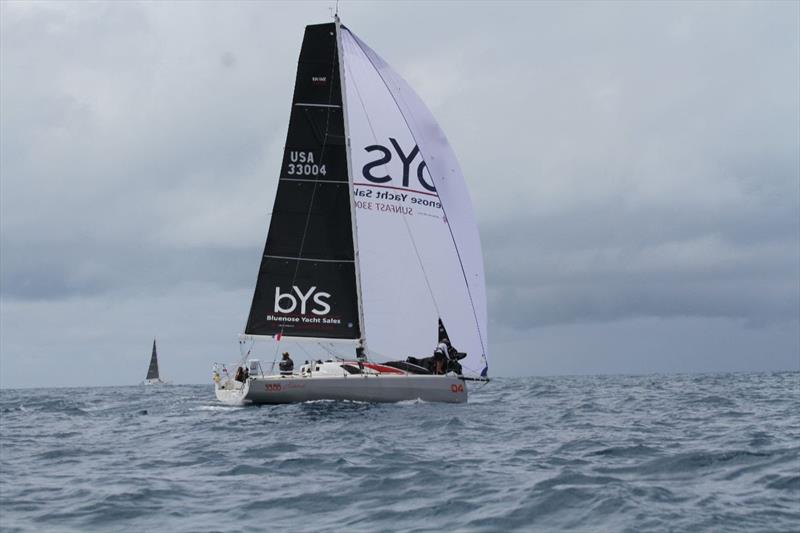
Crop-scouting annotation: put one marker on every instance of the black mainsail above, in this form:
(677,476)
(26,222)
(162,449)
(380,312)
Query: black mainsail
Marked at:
(152,370)
(306,284)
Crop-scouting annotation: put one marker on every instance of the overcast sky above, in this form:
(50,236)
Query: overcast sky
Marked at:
(635,170)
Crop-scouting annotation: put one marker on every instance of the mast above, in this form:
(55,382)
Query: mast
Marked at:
(359,301)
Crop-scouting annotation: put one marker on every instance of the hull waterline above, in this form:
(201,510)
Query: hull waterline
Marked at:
(369,388)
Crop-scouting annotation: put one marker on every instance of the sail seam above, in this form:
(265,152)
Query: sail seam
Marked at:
(310,259)
(321,182)
(317,105)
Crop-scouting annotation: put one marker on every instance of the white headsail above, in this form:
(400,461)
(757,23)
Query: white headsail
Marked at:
(419,253)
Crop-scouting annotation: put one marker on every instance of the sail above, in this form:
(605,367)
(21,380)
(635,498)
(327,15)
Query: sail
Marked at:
(306,284)
(418,245)
(152,370)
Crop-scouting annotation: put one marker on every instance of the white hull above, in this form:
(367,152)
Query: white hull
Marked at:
(363,388)
(155,382)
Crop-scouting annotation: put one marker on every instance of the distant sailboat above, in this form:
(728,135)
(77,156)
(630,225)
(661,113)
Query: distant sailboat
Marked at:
(152,371)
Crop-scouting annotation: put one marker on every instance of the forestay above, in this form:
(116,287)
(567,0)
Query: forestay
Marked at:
(418,246)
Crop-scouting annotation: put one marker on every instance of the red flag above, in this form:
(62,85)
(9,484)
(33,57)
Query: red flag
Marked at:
(278,336)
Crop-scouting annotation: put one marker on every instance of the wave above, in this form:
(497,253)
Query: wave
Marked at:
(624,453)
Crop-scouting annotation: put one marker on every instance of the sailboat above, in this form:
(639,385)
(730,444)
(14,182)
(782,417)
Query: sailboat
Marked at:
(372,265)
(153,377)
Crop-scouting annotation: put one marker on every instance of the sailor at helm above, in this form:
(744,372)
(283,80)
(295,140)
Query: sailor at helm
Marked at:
(360,356)
(286,365)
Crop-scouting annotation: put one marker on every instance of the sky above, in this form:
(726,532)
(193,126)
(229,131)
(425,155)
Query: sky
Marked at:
(634,169)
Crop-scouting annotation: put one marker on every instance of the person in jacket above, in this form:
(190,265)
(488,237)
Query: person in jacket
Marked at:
(286,365)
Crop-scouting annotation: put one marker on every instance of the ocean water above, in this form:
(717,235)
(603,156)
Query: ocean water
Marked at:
(612,453)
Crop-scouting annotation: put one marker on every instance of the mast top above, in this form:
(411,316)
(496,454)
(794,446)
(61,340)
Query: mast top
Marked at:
(335,12)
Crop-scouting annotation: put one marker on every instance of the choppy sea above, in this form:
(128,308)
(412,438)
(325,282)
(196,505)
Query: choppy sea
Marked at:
(606,453)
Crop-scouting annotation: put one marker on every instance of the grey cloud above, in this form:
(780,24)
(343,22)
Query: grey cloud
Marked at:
(71,271)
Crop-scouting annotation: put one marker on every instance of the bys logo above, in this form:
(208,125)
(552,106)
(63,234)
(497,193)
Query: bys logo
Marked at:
(287,302)
(385,156)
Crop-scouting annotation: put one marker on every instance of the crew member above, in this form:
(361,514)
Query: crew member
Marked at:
(453,356)
(286,365)
(444,346)
(239,374)
(440,358)
(360,356)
